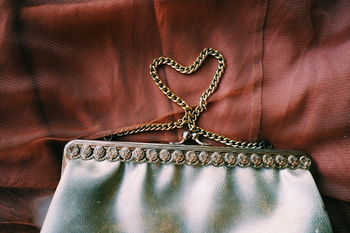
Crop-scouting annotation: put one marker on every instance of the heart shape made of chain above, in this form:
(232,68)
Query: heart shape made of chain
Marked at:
(191,115)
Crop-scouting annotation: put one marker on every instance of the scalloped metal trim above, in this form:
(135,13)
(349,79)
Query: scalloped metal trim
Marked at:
(185,154)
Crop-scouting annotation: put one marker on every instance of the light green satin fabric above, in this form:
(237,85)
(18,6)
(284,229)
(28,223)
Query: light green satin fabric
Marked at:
(143,198)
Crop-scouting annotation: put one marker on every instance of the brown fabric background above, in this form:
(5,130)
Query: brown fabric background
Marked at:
(79,69)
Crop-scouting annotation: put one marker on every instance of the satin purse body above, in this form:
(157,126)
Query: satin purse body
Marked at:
(170,190)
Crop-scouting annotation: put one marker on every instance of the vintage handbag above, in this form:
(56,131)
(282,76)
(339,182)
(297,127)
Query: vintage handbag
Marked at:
(130,187)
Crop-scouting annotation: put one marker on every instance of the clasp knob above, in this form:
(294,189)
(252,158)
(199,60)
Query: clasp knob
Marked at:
(190,136)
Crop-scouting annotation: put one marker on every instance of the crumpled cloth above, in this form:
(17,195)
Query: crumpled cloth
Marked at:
(80,69)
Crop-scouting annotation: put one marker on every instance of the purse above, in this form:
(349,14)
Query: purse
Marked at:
(114,186)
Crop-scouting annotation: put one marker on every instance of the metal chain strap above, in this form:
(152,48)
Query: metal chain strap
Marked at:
(191,114)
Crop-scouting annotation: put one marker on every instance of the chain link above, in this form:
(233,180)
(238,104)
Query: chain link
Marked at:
(191,114)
